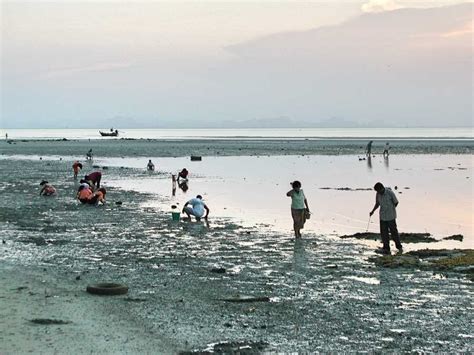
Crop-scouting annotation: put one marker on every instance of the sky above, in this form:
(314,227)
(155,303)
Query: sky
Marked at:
(218,63)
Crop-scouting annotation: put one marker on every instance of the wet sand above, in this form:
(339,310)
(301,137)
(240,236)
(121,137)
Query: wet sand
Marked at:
(325,294)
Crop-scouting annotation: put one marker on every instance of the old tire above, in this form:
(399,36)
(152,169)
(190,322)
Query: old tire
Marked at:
(107,289)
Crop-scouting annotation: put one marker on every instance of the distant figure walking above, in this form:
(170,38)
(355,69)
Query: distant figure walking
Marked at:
(150,166)
(368,149)
(47,189)
(76,167)
(6,136)
(299,207)
(89,155)
(386,149)
(197,208)
(93,179)
(387,201)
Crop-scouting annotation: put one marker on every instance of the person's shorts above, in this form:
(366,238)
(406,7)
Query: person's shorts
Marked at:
(192,212)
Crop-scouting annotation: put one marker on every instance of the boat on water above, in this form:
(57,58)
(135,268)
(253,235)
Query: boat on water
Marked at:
(112,133)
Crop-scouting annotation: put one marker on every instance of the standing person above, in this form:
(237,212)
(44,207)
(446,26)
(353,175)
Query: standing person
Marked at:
(387,201)
(386,149)
(173,184)
(93,179)
(197,209)
(368,149)
(89,155)
(150,166)
(299,207)
(47,189)
(76,167)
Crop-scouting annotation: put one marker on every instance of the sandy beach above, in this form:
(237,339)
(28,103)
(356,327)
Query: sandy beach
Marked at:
(322,293)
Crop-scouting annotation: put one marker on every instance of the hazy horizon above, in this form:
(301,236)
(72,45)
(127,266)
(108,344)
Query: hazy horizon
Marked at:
(346,63)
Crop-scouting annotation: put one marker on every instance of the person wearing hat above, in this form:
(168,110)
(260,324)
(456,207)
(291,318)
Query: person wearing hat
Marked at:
(299,207)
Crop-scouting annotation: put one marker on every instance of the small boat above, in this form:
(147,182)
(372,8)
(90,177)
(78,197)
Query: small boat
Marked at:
(109,134)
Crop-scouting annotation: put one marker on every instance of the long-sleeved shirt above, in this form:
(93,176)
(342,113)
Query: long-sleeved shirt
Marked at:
(387,201)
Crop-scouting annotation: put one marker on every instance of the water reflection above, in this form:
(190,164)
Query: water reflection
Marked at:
(369,162)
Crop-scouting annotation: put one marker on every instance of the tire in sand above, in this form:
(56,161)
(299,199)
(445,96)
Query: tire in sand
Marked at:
(107,289)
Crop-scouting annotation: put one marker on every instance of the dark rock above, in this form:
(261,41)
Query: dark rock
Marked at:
(458,237)
(46,321)
(218,270)
(245,299)
(404,237)
(78,277)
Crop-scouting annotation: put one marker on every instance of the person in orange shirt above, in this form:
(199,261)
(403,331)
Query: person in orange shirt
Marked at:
(76,167)
(84,193)
(98,196)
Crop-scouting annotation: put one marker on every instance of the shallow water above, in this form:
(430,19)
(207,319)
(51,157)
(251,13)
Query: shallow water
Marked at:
(325,295)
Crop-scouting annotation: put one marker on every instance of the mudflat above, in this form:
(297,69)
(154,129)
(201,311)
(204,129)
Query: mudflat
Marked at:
(321,293)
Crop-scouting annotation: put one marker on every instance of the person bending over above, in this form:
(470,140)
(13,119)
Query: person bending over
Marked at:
(47,189)
(387,201)
(196,209)
(97,197)
(93,179)
(84,193)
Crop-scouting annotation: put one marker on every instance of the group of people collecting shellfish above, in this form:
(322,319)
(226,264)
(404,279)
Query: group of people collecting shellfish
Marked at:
(90,192)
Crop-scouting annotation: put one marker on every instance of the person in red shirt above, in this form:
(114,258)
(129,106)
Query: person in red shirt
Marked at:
(94,178)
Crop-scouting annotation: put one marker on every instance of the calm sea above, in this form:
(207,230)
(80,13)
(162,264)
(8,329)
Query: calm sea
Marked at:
(465,133)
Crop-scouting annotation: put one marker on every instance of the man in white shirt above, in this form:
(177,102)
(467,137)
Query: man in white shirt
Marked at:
(197,209)
(387,201)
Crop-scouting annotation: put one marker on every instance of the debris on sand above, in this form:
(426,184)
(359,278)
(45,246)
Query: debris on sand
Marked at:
(458,261)
(346,188)
(245,299)
(131,299)
(46,321)
(404,237)
(231,347)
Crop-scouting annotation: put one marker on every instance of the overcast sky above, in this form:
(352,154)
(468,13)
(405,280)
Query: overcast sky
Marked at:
(82,63)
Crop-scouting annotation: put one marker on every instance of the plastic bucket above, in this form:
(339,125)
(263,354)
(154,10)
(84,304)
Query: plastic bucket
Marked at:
(175,216)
